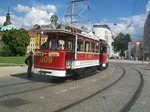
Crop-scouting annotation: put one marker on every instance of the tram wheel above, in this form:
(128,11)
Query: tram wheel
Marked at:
(78,74)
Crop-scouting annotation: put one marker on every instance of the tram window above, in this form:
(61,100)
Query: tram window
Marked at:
(69,45)
(97,47)
(105,50)
(93,47)
(61,44)
(51,43)
(80,46)
(87,46)
(45,45)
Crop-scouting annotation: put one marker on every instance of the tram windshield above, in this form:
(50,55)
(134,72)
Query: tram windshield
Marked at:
(57,41)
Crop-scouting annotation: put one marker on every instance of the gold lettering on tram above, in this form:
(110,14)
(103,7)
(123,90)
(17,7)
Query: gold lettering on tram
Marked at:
(46,59)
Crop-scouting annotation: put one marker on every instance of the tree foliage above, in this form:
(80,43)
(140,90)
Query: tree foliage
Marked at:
(15,42)
(120,43)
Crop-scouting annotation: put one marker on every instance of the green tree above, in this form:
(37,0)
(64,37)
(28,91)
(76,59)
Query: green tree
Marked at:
(120,43)
(15,42)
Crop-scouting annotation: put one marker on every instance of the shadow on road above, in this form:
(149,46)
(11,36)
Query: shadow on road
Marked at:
(40,78)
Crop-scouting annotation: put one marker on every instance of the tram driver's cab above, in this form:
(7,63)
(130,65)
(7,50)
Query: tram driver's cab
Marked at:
(61,42)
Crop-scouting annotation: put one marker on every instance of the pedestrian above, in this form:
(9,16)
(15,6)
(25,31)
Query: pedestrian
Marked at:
(29,62)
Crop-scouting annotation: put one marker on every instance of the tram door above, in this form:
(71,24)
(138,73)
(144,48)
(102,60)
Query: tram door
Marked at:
(103,53)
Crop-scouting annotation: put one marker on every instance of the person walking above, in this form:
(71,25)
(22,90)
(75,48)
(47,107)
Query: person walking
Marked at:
(29,62)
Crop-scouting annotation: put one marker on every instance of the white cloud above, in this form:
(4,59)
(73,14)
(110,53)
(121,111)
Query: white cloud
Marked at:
(2,20)
(22,8)
(48,8)
(132,25)
(38,14)
(18,21)
(148,6)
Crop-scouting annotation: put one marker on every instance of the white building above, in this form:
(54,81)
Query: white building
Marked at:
(104,33)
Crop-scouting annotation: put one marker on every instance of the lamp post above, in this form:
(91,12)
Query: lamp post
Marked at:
(143,54)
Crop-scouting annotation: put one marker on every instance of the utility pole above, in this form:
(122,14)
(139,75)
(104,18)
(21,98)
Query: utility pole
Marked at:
(73,11)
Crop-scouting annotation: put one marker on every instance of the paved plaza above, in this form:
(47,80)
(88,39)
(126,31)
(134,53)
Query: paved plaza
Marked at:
(43,94)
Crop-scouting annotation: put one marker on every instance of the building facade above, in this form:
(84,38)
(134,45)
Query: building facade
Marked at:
(137,49)
(6,27)
(104,33)
(146,46)
(32,45)
(7,22)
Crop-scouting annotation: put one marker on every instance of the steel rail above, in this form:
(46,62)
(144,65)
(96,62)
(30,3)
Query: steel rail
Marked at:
(92,95)
(29,90)
(136,94)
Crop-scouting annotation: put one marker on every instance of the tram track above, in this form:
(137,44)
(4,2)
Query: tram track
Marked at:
(92,95)
(19,83)
(34,89)
(125,108)
(28,90)
(136,94)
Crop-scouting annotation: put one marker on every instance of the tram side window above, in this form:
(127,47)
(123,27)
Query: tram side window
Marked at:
(105,50)
(97,48)
(87,46)
(61,44)
(69,45)
(93,49)
(80,45)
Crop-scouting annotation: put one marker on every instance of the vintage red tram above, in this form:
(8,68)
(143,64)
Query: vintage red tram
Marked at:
(68,51)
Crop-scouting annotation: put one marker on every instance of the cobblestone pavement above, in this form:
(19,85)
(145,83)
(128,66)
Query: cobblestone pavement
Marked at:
(42,94)
(113,99)
(143,102)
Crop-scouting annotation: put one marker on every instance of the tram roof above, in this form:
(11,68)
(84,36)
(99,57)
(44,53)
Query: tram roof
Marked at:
(65,28)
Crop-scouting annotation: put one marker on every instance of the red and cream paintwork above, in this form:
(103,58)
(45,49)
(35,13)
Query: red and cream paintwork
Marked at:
(86,60)
(104,60)
(55,62)
(50,62)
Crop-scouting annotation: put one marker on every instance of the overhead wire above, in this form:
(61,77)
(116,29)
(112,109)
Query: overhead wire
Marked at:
(92,12)
(134,7)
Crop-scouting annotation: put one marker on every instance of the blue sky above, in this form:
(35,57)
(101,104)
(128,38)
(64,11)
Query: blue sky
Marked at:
(124,13)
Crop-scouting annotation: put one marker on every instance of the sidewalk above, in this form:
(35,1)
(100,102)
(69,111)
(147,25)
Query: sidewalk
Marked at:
(129,61)
(7,71)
